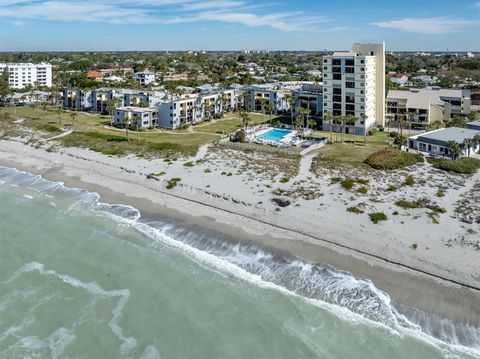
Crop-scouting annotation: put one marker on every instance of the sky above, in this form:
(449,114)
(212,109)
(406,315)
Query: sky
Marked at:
(115,25)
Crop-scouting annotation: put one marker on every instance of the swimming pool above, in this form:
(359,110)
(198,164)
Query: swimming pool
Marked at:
(273,135)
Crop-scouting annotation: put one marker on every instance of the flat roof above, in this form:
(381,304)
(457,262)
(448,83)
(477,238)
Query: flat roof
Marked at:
(137,109)
(444,135)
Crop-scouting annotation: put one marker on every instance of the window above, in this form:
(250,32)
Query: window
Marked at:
(336,62)
(337,76)
(362,69)
(324,61)
(349,62)
(337,91)
(337,106)
(362,61)
(325,97)
(325,76)
(325,68)
(337,98)
(350,99)
(350,84)
(336,69)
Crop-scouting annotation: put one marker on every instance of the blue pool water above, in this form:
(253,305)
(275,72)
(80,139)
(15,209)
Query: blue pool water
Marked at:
(274,135)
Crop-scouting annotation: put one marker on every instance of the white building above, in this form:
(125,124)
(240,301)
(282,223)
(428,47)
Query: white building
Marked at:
(137,117)
(354,84)
(144,78)
(180,112)
(22,75)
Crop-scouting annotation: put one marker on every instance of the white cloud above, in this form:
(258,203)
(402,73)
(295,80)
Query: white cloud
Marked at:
(156,12)
(433,25)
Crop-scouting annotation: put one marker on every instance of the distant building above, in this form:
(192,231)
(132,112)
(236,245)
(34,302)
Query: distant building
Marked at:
(353,84)
(436,142)
(135,116)
(94,75)
(23,74)
(144,78)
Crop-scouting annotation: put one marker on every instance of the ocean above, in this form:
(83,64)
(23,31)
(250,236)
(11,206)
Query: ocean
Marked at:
(83,279)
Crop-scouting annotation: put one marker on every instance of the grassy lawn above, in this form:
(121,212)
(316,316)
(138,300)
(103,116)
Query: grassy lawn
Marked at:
(353,154)
(231,123)
(90,133)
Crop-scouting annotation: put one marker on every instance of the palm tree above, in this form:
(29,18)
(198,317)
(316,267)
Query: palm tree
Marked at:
(401,122)
(291,101)
(454,149)
(111,104)
(363,118)
(457,121)
(44,108)
(468,143)
(299,121)
(126,124)
(137,121)
(350,122)
(245,118)
(73,115)
(59,111)
(328,118)
(302,112)
(311,123)
(476,138)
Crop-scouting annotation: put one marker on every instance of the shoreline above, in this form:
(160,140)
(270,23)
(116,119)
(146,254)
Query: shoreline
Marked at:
(406,285)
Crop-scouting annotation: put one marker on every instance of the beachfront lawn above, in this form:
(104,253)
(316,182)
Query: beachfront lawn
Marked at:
(349,153)
(89,132)
(231,122)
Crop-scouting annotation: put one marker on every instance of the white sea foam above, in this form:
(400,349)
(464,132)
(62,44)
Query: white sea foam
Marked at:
(128,343)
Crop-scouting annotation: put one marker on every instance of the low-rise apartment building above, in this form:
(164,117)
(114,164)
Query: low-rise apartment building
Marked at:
(144,78)
(258,96)
(422,107)
(138,117)
(77,100)
(101,98)
(309,96)
(180,112)
(24,74)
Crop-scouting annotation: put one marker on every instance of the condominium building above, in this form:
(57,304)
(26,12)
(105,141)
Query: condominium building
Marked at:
(77,100)
(137,117)
(101,98)
(180,112)
(258,96)
(354,84)
(21,75)
(144,78)
(422,107)
(309,96)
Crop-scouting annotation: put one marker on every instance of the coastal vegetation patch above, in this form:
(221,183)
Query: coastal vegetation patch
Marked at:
(464,165)
(392,159)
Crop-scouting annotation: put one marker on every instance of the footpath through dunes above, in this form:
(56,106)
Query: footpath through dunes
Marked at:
(160,275)
(348,245)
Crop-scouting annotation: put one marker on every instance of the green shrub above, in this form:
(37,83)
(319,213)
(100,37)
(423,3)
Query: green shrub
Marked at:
(372,131)
(172,183)
(207,170)
(284,179)
(392,188)
(440,193)
(465,165)
(408,204)
(159,174)
(335,180)
(391,159)
(188,164)
(395,213)
(348,183)
(377,217)
(362,181)
(410,181)
(362,190)
(355,210)
(414,246)
(393,134)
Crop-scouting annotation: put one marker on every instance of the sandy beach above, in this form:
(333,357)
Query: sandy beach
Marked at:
(429,264)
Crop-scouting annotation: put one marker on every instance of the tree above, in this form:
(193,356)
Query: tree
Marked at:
(476,139)
(4,86)
(350,122)
(245,118)
(363,119)
(291,101)
(468,143)
(59,111)
(137,122)
(301,113)
(298,121)
(311,123)
(454,149)
(457,121)
(44,108)
(328,118)
(126,124)
(73,115)
(111,105)
(401,123)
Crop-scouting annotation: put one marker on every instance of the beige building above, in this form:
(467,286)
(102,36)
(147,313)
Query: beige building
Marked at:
(423,107)
(353,84)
